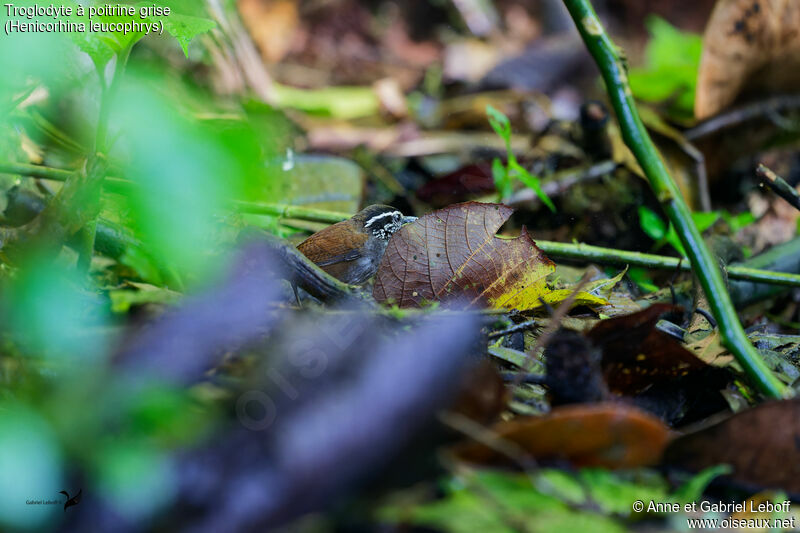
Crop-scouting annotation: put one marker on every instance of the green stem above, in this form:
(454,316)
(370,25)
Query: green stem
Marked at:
(638,140)
(289,211)
(36,171)
(573,251)
(107,94)
(562,250)
(611,256)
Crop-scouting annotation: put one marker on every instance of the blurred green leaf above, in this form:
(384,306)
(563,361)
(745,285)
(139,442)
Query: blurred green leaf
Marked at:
(499,123)
(27,59)
(737,222)
(505,502)
(30,470)
(643,278)
(122,300)
(658,230)
(692,490)
(51,314)
(338,102)
(135,477)
(185,28)
(672,58)
(168,417)
(615,492)
(186,170)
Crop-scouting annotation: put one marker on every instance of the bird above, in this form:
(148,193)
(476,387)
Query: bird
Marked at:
(75,500)
(351,250)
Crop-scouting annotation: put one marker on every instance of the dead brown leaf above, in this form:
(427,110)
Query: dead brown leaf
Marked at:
(748,46)
(611,435)
(761,444)
(637,355)
(454,254)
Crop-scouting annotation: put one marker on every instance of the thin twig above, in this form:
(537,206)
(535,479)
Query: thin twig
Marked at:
(778,185)
(522,326)
(705,266)
(742,115)
(559,182)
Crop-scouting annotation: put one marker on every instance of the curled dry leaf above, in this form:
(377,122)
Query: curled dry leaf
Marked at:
(748,45)
(611,435)
(761,444)
(454,254)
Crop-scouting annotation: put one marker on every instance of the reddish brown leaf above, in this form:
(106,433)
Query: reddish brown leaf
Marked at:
(637,355)
(761,444)
(611,435)
(470,180)
(453,253)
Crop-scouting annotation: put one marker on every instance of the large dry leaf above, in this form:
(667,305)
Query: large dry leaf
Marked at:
(761,444)
(612,435)
(748,45)
(454,254)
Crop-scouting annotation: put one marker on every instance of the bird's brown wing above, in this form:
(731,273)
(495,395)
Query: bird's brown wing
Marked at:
(335,244)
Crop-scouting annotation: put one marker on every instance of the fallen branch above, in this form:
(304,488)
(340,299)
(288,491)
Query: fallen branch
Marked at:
(778,185)
(704,265)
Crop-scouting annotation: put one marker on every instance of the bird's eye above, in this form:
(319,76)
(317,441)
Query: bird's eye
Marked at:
(396,217)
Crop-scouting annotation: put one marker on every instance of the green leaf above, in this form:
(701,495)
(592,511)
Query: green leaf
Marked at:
(500,123)
(642,278)
(185,169)
(97,48)
(737,222)
(693,489)
(703,221)
(506,502)
(51,315)
(672,58)
(31,463)
(531,181)
(651,223)
(503,176)
(603,287)
(123,299)
(135,477)
(615,494)
(185,28)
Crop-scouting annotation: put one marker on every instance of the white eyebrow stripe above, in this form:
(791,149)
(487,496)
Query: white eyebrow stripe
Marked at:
(376,217)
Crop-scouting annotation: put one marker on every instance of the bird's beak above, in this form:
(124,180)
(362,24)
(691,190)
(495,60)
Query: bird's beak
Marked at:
(408,220)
